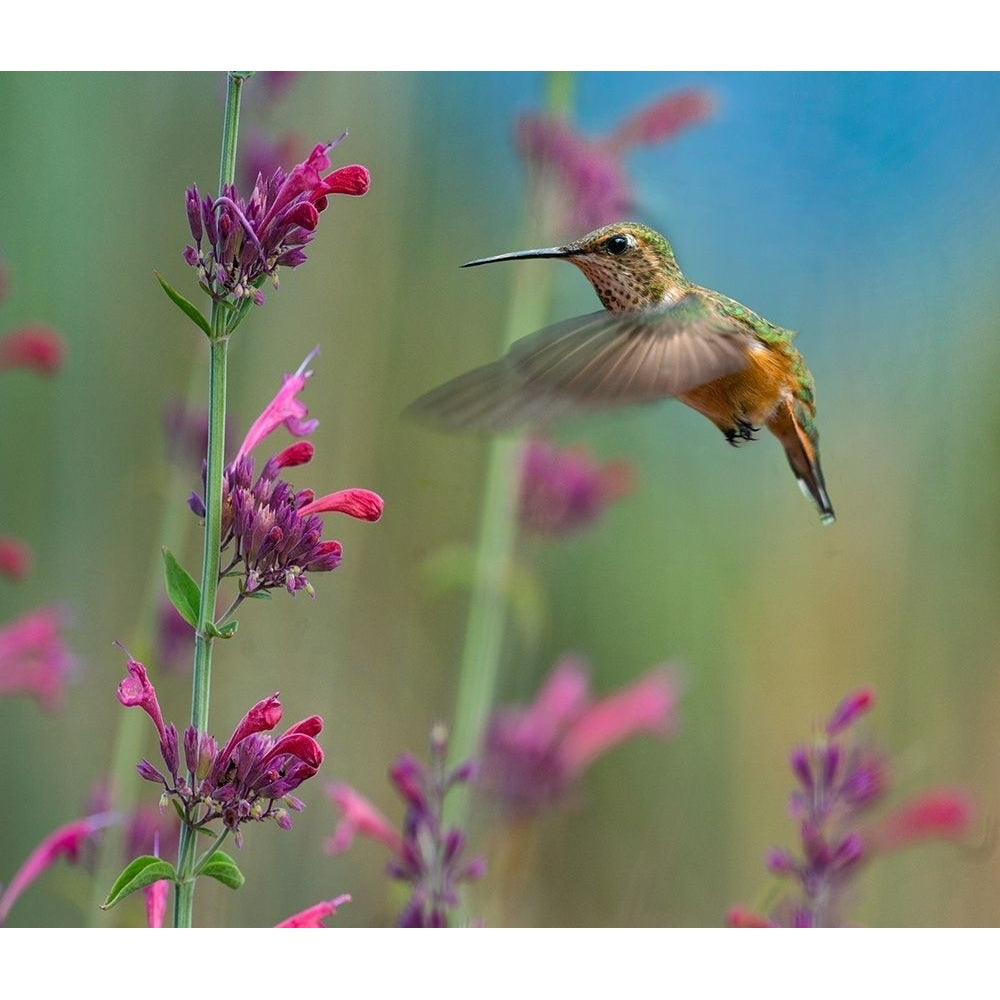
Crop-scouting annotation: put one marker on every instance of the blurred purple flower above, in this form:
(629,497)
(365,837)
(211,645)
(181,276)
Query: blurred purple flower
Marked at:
(315,914)
(174,638)
(36,347)
(248,240)
(428,855)
(34,659)
(275,532)
(839,784)
(564,489)
(262,155)
(67,841)
(246,779)
(591,172)
(532,756)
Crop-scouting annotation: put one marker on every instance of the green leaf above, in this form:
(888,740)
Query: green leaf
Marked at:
(188,308)
(226,631)
(143,871)
(222,868)
(183,592)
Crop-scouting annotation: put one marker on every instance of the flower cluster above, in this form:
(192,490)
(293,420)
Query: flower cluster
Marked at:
(274,531)
(839,784)
(243,781)
(591,172)
(532,756)
(564,489)
(247,240)
(428,855)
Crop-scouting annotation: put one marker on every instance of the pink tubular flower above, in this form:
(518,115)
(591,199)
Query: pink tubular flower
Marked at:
(591,171)
(36,347)
(251,778)
(272,530)
(533,755)
(33,657)
(15,558)
(248,240)
(564,490)
(285,409)
(314,915)
(64,842)
(358,816)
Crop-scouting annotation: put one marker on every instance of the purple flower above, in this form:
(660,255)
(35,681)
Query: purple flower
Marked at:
(591,172)
(533,755)
(564,489)
(33,657)
(272,532)
(428,855)
(839,784)
(250,778)
(247,240)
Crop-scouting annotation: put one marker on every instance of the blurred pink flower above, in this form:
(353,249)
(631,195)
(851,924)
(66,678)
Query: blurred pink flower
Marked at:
(34,659)
(314,915)
(36,347)
(592,172)
(564,489)
(358,816)
(15,558)
(533,755)
(63,842)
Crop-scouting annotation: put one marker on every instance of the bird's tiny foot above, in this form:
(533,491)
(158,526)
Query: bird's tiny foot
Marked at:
(743,431)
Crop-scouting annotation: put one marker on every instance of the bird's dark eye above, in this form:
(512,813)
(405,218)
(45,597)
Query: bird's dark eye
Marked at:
(617,244)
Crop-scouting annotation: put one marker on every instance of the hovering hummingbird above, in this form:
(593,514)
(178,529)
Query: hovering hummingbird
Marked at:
(658,335)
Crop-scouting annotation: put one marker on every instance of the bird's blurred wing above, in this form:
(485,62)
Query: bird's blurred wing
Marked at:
(590,362)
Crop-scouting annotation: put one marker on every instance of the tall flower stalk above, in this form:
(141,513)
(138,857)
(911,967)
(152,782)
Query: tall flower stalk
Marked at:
(214,461)
(270,532)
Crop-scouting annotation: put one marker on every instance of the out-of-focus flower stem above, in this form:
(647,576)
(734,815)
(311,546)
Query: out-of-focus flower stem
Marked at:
(215,461)
(497,525)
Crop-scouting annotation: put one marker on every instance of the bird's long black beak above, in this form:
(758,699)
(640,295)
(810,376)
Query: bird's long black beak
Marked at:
(523,255)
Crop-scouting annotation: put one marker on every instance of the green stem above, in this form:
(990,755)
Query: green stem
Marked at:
(202,677)
(486,622)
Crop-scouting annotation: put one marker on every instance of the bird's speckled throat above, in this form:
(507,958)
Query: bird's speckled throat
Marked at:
(644,274)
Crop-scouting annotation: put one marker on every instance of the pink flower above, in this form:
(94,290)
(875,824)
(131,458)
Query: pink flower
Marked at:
(314,915)
(15,558)
(273,530)
(533,755)
(358,816)
(36,347)
(249,239)
(591,171)
(943,813)
(285,409)
(33,657)
(564,489)
(64,842)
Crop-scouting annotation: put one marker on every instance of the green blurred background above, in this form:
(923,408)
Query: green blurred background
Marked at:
(860,209)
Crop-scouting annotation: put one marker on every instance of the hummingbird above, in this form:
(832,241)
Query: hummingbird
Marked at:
(658,335)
